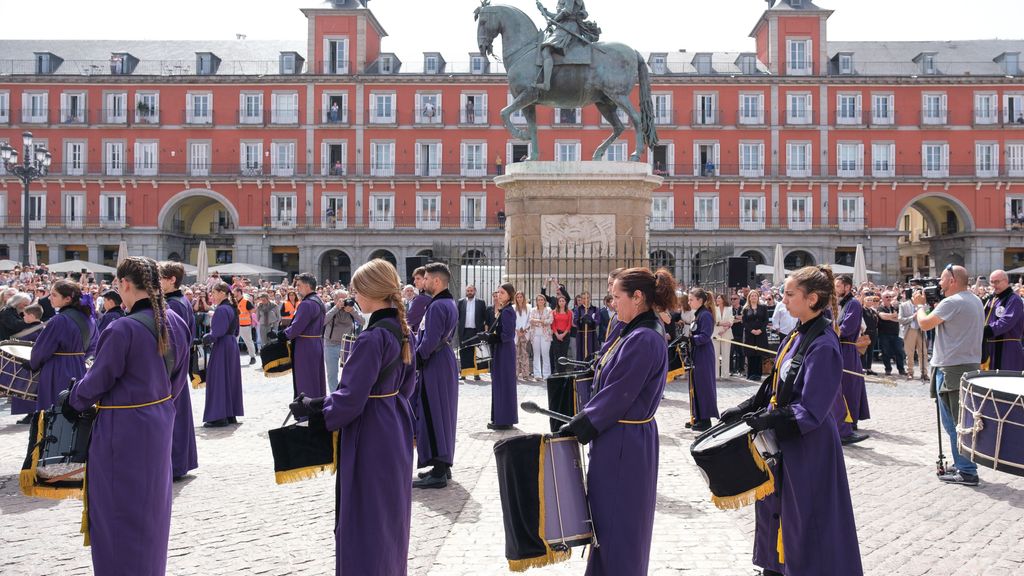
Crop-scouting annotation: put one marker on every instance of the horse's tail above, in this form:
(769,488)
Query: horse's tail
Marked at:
(647,123)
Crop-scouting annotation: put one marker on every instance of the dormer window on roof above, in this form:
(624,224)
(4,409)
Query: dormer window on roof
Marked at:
(122,63)
(702,63)
(207,63)
(927,62)
(747,63)
(291,63)
(845,63)
(47,63)
(431,65)
(796,3)
(386,65)
(659,63)
(477,64)
(1010,62)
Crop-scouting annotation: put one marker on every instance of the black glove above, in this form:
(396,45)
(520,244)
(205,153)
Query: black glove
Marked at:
(989,333)
(781,420)
(65,406)
(208,339)
(303,407)
(733,414)
(281,336)
(580,427)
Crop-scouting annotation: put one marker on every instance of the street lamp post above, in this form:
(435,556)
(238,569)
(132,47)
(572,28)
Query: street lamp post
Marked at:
(35,165)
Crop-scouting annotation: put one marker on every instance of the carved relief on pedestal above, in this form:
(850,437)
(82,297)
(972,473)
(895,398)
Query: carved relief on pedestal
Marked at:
(591,231)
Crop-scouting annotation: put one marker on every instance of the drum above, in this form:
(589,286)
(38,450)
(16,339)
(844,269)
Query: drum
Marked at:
(543,499)
(568,393)
(276,358)
(197,366)
(481,360)
(733,464)
(303,450)
(346,347)
(991,430)
(54,467)
(17,381)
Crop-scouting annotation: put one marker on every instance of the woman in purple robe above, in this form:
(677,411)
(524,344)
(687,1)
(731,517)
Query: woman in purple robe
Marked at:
(703,389)
(629,381)
(128,481)
(502,338)
(184,455)
(806,527)
(223,366)
(59,351)
(111,310)
(584,319)
(371,409)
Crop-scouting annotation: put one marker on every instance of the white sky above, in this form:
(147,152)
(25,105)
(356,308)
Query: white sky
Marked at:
(647,25)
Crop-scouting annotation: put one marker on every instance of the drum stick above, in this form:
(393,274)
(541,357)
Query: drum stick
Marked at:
(879,379)
(532,408)
(563,361)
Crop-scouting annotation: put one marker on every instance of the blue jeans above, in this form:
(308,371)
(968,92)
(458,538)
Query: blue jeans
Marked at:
(332,356)
(892,349)
(949,423)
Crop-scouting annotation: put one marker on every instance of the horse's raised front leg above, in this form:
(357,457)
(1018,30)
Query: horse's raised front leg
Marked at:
(530,112)
(524,99)
(610,113)
(622,101)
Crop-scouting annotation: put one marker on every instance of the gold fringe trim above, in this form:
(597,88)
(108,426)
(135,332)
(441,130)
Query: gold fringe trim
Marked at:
(300,474)
(29,482)
(197,384)
(86,540)
(275,363)
(675,374)
(276,374)
(474,372)
(753,495)
(551,557)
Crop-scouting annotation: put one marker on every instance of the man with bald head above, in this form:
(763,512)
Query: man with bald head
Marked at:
(1004,326)
(959,323)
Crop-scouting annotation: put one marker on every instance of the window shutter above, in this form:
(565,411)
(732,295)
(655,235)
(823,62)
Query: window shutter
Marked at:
(274,118)
(945,159)
(420,169)
(64,107)
(892,157)
(481,113)
(696,159)
(943,113)
(462,159)
(483,157)
(189,107)
(860,159)
(241,157)
(860,107)
(462,109)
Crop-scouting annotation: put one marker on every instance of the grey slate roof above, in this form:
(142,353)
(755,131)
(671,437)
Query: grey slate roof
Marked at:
(952,58)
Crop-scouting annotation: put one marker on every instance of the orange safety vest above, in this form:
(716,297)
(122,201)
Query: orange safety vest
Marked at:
(289,310)
(244,316)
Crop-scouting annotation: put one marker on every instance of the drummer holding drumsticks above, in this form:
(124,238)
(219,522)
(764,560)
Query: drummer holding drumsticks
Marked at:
(60,350)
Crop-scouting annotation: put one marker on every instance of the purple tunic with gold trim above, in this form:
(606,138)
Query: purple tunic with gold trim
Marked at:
(854,395)
(184,455)
(417,309)
(306,333)
(223,366)
(1003,330)
(59,356)
(437,401)
(585,322)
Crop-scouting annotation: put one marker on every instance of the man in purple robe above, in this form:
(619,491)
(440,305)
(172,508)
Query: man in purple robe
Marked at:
(306,333)
(418,306)
(60,350)
(437,401)
(184,455)
(852,405)
(584,319)
(703,388)
(128,479)
(1004,326)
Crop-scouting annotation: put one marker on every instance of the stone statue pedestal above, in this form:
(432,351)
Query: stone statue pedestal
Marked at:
(575,221)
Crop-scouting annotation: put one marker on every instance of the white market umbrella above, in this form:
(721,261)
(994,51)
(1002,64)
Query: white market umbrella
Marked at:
(8,265)
(33,259)
(778,270)
(1014,271)
(860,269)
(122,252)
(844,269)
(72,266)
(190,270)
(202,263)
(241,269)
(766,270)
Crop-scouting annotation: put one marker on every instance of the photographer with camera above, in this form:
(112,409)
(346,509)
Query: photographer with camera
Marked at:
(959,324)
(339,322)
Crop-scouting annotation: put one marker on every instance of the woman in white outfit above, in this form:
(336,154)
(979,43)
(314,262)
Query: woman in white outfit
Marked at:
(540,334)
(522,309)
(723,330)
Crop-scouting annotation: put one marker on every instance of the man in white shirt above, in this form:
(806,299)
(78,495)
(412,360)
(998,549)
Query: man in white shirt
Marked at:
(783,322)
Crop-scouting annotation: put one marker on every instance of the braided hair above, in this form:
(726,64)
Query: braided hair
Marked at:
(379,280)
(144,274)
(223,288)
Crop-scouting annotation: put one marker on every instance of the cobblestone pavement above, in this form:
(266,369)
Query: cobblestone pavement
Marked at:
(230,517)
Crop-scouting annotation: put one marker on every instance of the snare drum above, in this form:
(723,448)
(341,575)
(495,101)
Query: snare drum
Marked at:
(732,460)
(276,359)
(346,348)
(54,467)
(991,430)
(17,381)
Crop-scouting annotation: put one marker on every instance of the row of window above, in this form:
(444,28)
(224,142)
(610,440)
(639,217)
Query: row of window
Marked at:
(753,213)
(111,210)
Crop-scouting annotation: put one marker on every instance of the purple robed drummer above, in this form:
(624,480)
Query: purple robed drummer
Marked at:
(32,316)
(223,366)
(584,319)
(184,456)
(1004,326)
(619,421)
(852,404)
(811,501)
(306,333)
(371,409)
(703,388)
(502,338)
(437,389)
(128,479)
(60,350)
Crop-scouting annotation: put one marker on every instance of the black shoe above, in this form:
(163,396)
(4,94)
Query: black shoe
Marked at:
(477,377)
(493,426)
(232,420)
(447,474)
(216,423)
(854,426)
(26,420)
(430,482)
(853,438)
(252,361)
(958,477)
(688,425)
(702,425)
(179,478)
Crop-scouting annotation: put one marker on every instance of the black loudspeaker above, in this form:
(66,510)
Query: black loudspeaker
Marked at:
(412,263)
(740,272)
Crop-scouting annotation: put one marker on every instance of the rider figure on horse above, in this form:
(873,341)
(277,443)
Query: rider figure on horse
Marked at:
(566,25)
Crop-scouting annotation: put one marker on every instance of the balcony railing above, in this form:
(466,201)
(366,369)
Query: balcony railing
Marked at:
(65,223)
(429,116)
(705,118)
(748,117)
(934,117)
(332,116)
(74,116)
(713,222)
(394,222)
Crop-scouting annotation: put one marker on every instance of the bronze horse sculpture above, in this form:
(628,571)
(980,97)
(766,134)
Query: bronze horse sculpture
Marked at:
(607,82)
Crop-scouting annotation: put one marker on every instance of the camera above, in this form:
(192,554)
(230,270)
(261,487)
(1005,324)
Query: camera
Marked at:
(349,303)
(931,289)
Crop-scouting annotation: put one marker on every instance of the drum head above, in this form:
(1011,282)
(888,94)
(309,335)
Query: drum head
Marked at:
(21,350)
(719,435)
(1003,384)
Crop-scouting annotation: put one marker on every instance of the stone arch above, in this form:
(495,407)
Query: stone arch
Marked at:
(756,255)
(662,258)
(384,254)
(335,265)
(171,206)
(934,206)
(798,259)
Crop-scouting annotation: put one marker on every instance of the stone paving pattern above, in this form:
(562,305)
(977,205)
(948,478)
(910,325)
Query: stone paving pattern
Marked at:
(231,518)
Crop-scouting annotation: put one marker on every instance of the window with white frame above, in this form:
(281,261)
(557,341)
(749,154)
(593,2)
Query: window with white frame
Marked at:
(199,158)
(751,159)
(284,108)
(36,209)
(752,108)
(798,108)
(428,158)
(382,108)
(1014,212)
(112,210)
(251,158)
(113,158)
(705,109)
(1013,109)
(985,108)
(428,108)
(848,108)
(282,158)
(662,108)
(882,109)
(334,211)
(199,108)
(986,159)
(477,65)
(74,157)
(34,107)
(335,56)
(851,212)
(662,213)
(250,108)
(706,158)
(282,210)
(568,116)
(382,211)
(387,65)
(74,210)
(883,159)
(428,211)
(798,159)
(3,208)
(567,151)
(431,64)
(335,107)
(846,64)
(620,114)
(849,159)
(800,211)
(3,167)
(935,160)
(382,158)
(798,62)
(5,107)
(751,212)
(617,152)
(517,116)
(659,64)
(146,158)
(474,211)
(474,158)
(1015,159)
(705,211)
(147,107)
(72,107)
(473,109)
(933,109)
(115,107)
